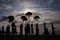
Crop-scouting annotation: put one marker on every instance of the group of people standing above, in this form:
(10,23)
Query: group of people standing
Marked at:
(28,29)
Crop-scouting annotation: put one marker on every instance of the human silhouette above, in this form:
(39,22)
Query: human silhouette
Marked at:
(32,32)
(21,29)
(27,29)
(3,30)
(53,31)
(36,18)
(45,30)
(13,28)
(0,31)
(8,30)
(37,30)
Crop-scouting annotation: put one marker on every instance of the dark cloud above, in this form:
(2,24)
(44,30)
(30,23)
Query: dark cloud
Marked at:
(5,6)
(56,22)
(3,18)
(22,4)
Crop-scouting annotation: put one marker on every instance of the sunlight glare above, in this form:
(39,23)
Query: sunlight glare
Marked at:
(28,10)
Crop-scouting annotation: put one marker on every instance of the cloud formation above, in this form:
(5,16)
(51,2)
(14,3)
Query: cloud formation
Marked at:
(5,6)
(3,18)
(50,1)
(48,8)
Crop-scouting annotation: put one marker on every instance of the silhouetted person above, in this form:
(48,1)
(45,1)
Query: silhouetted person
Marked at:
(45,30)
(36,18)
(21,29)
(8,30)
(32,32)
(0,31)
(27,29)
(53,31)
(13,28)
(3,30)
(37,30)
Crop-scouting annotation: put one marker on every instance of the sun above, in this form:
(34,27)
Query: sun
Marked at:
(28,10)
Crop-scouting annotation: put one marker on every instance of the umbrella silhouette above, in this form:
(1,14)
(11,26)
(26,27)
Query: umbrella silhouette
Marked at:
(24,18)
(28,14)
(36,18)
(11,18)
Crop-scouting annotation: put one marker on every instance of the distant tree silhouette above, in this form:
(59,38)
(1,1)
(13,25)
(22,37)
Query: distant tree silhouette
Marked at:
(13,28)
(27,29)
(32,32)
(53,31)
(3,30)
(21,29)
(45,30)
(8,30)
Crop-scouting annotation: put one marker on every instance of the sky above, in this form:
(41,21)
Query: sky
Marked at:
(48,10)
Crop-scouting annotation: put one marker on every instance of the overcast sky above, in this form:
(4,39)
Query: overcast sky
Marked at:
(48,8)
